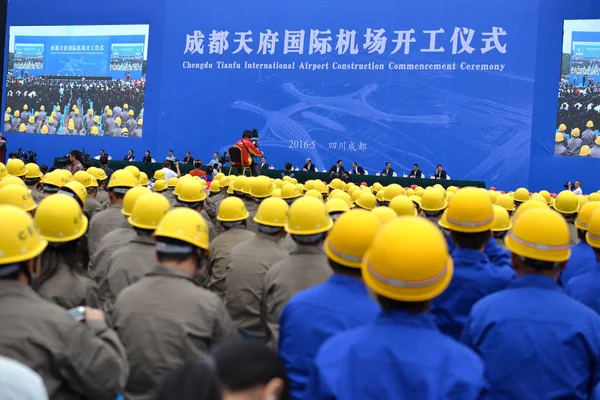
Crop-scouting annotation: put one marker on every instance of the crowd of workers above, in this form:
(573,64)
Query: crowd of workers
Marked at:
(113,283)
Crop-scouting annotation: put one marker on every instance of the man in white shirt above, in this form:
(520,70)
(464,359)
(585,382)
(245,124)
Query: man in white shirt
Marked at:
(577,189)
(169,173)
(102,153)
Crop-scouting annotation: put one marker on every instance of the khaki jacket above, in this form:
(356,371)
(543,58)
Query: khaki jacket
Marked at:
(573,236)
(252,207)
(287,243)
(163,320)
(303,268)
(212,230)
(169,195)
(76,360)
(103,223)
(248,265)
(211,208)
(90,207)
(500,242)
(67,288)
(102,196)
(128,265)
(36,194)
(220,249)
(108,246)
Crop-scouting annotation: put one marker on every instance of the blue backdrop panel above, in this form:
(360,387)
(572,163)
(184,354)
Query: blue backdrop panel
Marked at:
(79,55)
(476,122)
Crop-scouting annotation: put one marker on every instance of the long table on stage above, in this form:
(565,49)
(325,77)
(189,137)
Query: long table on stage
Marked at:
(301,176)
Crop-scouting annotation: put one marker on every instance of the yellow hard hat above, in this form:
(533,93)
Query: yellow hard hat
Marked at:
(433,200)
(314,193)
(84,178)
(118,121)
(276,193)
(376,187)
(585,150)
(51,119)
(452,189)
(261,187)
(135,171)
(597,141)
(562,127)
(122,179)
(566,202)
(44,129)
(321,187)
(528,205)
(294,181)
(22,128)
(575,132)
(3,171)
(93,171)
(131,197)
(232,209)
(470,211)
(6,117)
(348,185)
(57,108)
(272,212)
(124,130)
(336,184)
(309,184)
(19,239)
(190,191)
(76,190)
(308,216)
(31,120)
(54,178)
(12,180)
(16,167)
(337,194)
(238,184)
(183,224)
(350,237)
(336,205)
(493,194)
(592,236)
(392,191)
(412,192)
(289,191)
(385,214)
(172,182)
(581,199)
(93,181)
(67,175)
(419,270)
(286,179)
(160,185)
(594,196)
(417,200)
(403,206)
(502,220)
(96,119)
(18,196)
(538,197)
(540,234)
(148,211)
(225,181)
(219,176)
(215,186)
(60,219)
(589,124)
(248,185)
(521,195)
(300,188)
(355,194)
(130,113)
(546,195)
(109,112)
(25,107)
(90,111)
(33,171)
(71,124)
(125,106)
(380,194)
(159,174)
(180,182)
(506,202)
(585,214)
(8,110)
(144,181)
(366,201)
(94,130)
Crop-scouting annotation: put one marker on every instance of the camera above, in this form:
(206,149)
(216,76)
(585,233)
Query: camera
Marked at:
(29,156)
(224,158)
(254,137)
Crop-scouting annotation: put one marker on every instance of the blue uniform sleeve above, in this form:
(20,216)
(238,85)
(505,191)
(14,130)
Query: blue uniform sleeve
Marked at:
(317,388)
(497,255)
(295,367)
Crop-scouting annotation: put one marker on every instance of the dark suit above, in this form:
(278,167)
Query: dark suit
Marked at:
(358,170)
(440,175)
(415,174)
(129,158)
(335,173)
(264,166)
(310,167)
(188,160)
(388,172)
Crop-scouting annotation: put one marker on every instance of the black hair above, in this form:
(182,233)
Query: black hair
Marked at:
(76,153)
(288,166)
(264,157)
(354,162)
(243,365)
(170,151)
(13,276)
(198,162)
(102,150)
(247,134)
(388,163)
(104,160)
(432,213)
(131,150)
(500,234)
(195,380)
(166,164)
(473,241)
(74,254)
(538,265)
(209,170)
(43,168)
(338,161)
(187,152)
(415,307)
(439,165)
(340,269)
(116,194)
(581,235)
(414,165)
(177,257)
(148,151)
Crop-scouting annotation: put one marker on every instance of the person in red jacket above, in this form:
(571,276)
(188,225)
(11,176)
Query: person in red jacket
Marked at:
(249,150)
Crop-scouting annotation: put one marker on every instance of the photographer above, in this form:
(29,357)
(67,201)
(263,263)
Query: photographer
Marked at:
(576,188)
(75,162)
(249,150)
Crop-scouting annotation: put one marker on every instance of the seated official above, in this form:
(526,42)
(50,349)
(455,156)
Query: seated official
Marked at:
(147,157)
(415,172)
(171,157)
(309,166)
(357,169)
(337,171)
(288,170)
(102,153)
(440,173)
(188,159)
(388,170)
(264,165)
(129,157)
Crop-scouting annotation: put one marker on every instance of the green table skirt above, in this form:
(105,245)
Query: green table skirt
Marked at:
(301,176)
